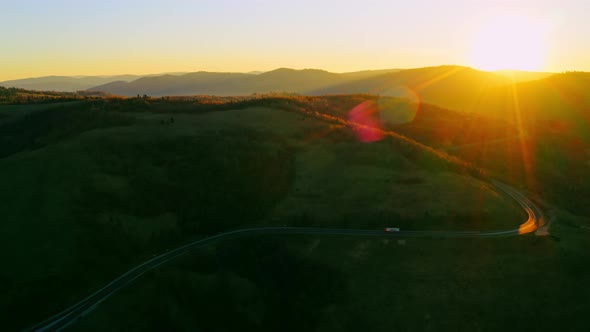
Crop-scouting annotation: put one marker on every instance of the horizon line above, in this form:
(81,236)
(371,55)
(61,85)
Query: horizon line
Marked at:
(254,72)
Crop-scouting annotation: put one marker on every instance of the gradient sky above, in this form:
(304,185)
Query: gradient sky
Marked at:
(106,37)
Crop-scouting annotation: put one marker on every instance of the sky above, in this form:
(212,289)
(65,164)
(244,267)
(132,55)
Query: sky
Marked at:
(67,37)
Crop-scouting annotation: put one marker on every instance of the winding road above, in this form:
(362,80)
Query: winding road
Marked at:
(73,313)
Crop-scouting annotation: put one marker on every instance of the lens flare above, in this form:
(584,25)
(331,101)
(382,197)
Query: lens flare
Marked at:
(393,111)
(366,124)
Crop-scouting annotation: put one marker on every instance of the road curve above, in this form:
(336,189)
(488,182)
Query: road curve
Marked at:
(535,215)
(73,313)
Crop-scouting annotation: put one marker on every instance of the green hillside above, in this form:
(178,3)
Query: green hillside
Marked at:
(91,191)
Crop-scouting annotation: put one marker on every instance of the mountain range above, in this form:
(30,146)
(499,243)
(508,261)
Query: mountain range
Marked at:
(454,87)
(68,83)
(499,94)
(65,83)
(504,95)
(232,84)
(393,82)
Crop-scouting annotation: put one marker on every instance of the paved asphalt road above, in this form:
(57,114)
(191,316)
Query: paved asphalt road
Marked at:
(71,314)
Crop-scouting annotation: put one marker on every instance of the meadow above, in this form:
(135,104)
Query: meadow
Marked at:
(91,188)
(336,283)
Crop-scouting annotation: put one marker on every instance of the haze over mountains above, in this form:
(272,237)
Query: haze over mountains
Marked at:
(391,82)
(68,83)
(544,96)
(79,83)
(231,84)
(65,83)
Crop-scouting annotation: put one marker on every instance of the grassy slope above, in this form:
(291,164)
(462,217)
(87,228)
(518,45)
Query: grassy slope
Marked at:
(548,155)
(91,204)
(349,284)
(20,110)
(339,180)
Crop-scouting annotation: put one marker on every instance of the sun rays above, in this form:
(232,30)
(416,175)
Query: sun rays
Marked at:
(509,42)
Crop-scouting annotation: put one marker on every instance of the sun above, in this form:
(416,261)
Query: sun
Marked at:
(509,43)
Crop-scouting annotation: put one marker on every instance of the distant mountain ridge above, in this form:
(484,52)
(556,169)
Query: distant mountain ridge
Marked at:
(305,81)
(513,96)
(79,83)
(501,94)
(210,83)
(69,83)
(452,87)
(64,83)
